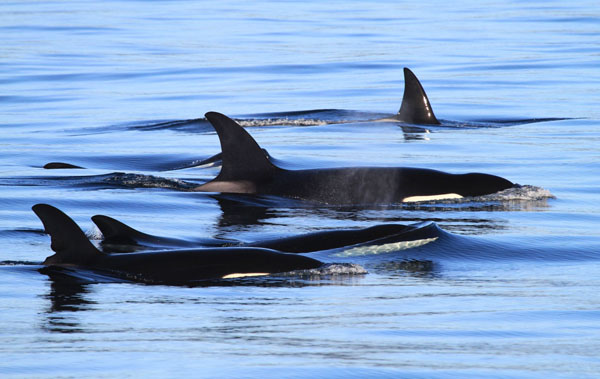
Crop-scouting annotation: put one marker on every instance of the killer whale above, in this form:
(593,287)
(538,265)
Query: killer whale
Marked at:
(126,239)
(73,250)
(246,169)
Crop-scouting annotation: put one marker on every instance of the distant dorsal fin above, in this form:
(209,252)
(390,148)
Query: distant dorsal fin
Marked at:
(114,231)
(242,158)
(55,165)
(415,108)
(68,241)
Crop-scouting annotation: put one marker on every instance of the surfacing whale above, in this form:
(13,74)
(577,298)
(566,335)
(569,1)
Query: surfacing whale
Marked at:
(59,165)
(246,169)
(119,237)
(73,250)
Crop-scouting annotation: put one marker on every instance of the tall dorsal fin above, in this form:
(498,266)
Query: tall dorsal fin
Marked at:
(242,158)
(68,241)
(415,108)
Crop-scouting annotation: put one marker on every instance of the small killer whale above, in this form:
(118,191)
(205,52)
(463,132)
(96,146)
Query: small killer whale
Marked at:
(246,169)
(123,238)
(73,250)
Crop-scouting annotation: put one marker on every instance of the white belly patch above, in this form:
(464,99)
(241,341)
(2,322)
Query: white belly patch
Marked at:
(381,249)
(444,196)
(244,275)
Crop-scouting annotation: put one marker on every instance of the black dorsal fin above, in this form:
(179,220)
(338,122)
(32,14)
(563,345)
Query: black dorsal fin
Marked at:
(55,165)
(415,108)
(242,158)
(114,231)
(67,240)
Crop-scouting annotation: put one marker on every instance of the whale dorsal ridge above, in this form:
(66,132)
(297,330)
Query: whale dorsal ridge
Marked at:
(415,108)
(243,158)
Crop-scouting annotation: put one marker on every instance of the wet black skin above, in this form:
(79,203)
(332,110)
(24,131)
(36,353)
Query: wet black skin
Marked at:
(121,238)
(376,185)
(246,169)
(73,250)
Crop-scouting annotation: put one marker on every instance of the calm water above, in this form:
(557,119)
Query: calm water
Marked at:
(515,293)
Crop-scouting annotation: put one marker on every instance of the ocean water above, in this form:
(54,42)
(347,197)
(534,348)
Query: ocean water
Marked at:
(121,87)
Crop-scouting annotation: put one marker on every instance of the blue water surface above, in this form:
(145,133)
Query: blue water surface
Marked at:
(121,87)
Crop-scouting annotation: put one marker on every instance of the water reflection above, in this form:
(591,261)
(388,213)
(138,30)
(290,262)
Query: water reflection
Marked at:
(412,267)
(244,211)
(463,205)
(197,125)
(414,133)
(68,291)
(292,280)
(66,297)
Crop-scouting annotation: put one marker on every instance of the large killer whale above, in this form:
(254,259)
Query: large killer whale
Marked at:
(121,238)
(73,250)
(247,169)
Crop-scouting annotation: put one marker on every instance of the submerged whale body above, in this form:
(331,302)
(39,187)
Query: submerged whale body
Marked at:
(119,237)
(246,169)
(59,165)
(73,250)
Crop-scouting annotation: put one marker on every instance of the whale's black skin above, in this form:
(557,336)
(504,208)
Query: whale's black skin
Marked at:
(73,249)
(415,108)
(59,165)
(116,233)
(346,238)
(246,169)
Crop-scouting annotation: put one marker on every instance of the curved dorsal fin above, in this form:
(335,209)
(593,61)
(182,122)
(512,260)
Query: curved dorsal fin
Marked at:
(68,241)
(415,108)
(242,158)
(114,231)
